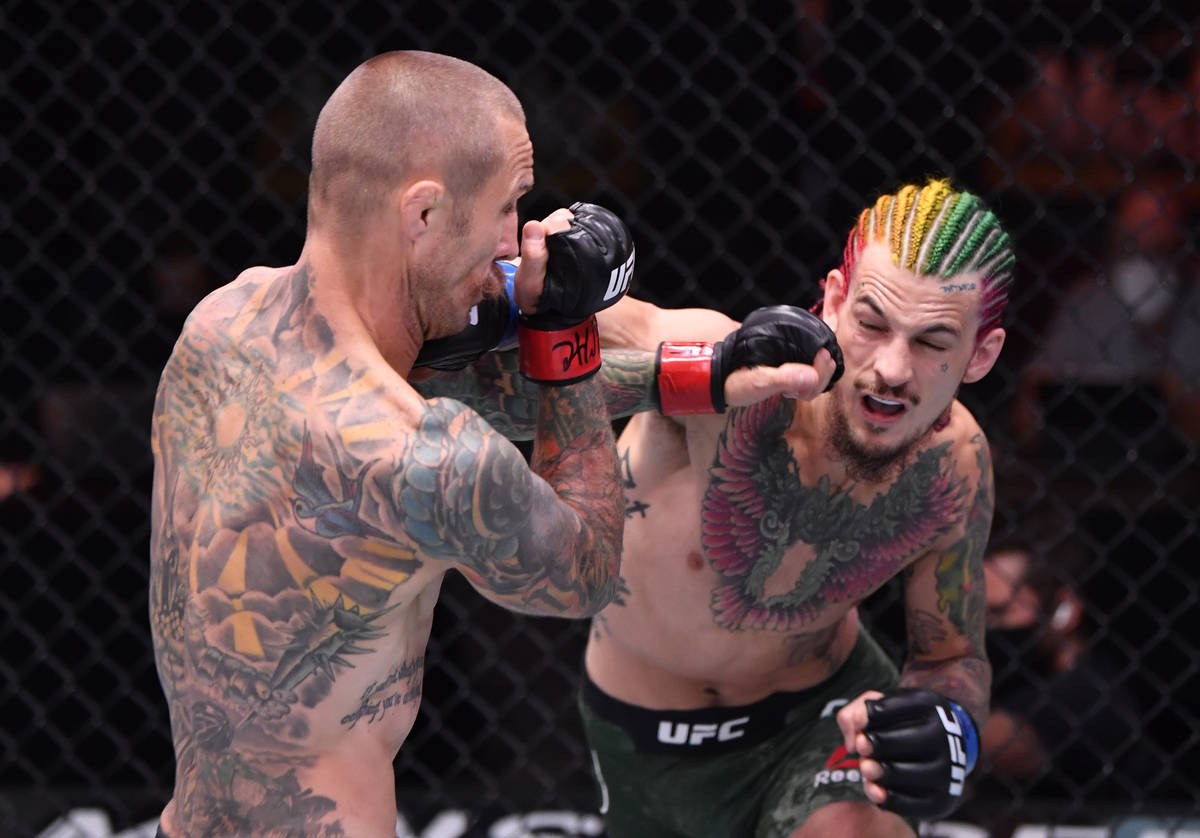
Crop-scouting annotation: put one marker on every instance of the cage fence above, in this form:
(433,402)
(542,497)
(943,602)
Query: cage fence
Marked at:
(151,151)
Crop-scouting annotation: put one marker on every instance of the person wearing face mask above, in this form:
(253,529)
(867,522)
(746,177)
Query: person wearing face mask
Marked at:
(1063,725)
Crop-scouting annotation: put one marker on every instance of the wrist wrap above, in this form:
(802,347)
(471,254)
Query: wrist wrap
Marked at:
(560,356)
(686,385)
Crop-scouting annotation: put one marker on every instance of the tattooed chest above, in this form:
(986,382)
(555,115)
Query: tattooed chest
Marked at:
(786,551)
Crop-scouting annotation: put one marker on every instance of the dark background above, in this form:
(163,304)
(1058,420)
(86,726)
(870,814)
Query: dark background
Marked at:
(150,152)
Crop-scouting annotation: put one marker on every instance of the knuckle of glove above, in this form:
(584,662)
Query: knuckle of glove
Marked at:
(609,233)
(901,702)
(775,335)
(916,738)
(588,269)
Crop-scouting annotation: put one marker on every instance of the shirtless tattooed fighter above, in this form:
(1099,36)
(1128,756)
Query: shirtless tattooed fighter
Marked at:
(730,688)
(307,501)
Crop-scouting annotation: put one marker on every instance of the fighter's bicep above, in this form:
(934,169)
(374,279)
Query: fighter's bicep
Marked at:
(944,597)
(458,489)
(931,631)
(959,574)
(637,324)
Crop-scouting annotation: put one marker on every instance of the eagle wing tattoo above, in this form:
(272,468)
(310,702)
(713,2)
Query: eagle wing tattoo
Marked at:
(756,508)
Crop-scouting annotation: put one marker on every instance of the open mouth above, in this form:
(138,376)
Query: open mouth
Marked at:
(879,406)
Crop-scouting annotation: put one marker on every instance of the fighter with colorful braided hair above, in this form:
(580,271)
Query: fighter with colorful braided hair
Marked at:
(731,689)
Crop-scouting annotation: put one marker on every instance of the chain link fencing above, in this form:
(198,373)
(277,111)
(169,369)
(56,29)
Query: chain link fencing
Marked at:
(151,151)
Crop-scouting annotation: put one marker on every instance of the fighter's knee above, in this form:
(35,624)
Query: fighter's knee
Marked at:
(852,819)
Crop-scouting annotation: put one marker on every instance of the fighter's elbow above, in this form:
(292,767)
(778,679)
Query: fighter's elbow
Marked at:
(601,598)
(598,572)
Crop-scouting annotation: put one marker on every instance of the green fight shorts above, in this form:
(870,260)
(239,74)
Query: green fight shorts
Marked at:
(755,771)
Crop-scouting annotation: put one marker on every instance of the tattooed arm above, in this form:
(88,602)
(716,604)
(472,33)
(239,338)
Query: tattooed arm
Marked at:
(494,388)
(542,537)
(945,604)
(631,332)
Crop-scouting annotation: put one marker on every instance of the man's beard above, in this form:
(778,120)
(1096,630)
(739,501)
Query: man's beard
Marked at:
(869,465)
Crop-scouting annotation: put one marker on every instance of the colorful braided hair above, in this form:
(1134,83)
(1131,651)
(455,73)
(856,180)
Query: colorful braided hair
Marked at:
(935,230)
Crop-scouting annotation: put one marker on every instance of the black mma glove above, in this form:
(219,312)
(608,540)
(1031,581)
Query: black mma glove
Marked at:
(927,745)
(691,376)
(590,266)
(493,327)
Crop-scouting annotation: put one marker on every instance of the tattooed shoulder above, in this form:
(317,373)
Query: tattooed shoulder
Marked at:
(220,409)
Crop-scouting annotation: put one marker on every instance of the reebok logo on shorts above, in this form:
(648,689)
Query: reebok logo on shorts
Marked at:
(841,767)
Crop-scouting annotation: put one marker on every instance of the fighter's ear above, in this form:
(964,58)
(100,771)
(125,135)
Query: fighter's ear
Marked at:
(987,350)
(420,203)
(836,288)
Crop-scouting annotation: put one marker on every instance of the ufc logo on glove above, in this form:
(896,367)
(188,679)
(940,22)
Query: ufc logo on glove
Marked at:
(618,280)
(927,745)
(958,754)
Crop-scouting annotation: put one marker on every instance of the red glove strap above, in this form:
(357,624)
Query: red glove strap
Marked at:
(562,356)
(685,378)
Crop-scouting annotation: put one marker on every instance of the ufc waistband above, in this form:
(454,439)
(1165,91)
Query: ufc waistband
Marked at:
(703,732)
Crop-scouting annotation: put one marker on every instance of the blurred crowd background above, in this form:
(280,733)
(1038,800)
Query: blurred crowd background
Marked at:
(151,151)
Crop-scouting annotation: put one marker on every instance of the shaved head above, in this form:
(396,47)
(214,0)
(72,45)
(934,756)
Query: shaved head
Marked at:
(403,116)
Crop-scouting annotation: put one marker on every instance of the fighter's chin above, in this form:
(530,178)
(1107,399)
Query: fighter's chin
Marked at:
(877,445)
(871,454)
(451,325)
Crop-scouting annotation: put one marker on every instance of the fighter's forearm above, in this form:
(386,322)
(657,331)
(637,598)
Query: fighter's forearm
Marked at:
(574,451)
(494,388)
(966,680)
